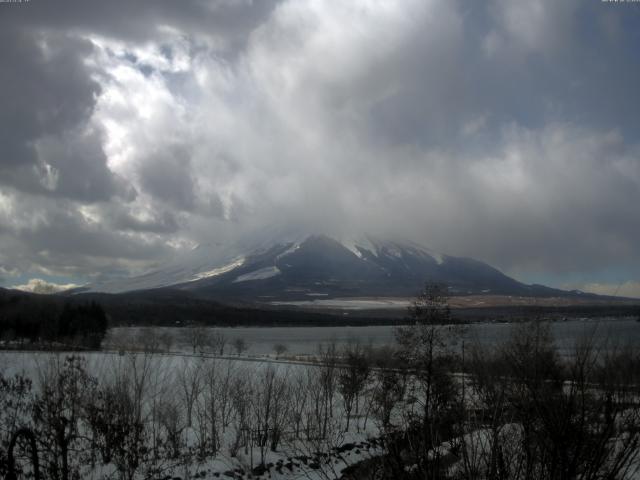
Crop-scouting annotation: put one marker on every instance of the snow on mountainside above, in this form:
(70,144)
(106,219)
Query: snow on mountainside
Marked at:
(203,261)
(299,267)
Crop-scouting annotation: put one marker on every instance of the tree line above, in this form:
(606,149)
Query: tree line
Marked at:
(42,322)
(518,410)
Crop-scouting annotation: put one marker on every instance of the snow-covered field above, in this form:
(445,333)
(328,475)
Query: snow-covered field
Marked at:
(191,413)
(211,418)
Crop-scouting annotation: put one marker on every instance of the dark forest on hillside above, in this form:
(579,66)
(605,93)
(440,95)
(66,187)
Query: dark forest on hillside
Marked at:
(51,322)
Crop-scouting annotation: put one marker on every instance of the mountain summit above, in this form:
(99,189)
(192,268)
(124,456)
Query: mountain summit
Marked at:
(320,266)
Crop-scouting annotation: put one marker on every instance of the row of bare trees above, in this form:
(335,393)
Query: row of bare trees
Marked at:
(518,410)
(140,415)
(198,340)
(535,415)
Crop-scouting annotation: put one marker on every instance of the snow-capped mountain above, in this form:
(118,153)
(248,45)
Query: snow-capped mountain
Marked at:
(317,266)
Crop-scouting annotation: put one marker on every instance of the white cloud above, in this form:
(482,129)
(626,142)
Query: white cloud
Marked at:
(37,285)
(532,25)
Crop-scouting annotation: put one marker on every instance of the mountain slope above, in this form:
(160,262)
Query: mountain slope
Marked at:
(320,266)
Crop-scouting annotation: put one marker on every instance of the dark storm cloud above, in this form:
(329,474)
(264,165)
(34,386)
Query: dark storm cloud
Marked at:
(43,92)
(65,234)
(505,130)
(228,22)
(78,165)
(167,177)
(47,98)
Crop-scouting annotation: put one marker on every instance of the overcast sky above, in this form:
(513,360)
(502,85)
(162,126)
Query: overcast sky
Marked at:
(506,130)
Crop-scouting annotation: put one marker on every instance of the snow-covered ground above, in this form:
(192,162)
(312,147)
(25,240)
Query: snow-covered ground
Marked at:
(236,393)
(219,417)
(241,404)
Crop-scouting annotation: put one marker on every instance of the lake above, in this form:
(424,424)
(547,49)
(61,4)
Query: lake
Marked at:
(304,340)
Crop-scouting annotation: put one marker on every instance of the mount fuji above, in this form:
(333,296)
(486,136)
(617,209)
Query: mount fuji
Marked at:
(308,267)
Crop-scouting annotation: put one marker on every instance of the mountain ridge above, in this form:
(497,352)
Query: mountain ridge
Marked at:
(318,265)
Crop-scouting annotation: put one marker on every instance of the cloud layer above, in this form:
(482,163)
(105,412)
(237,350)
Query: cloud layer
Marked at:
(506,131)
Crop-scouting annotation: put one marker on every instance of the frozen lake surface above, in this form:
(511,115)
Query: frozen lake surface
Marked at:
(305,340)
(351,304)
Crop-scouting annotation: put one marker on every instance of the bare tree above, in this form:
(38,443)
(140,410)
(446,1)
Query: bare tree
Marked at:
(218,342)
(487,410)
(241,393)
(15,406)
(65,386)
(118,428)
(190,385)
(169,417)
(240,346)
(328,355)
(279,349)
(389,390)
(550,417)
(166,340)
(352,378)
(149,340)
(299,401)
(214,406)
(426,351)
(196,337)
(270,409)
